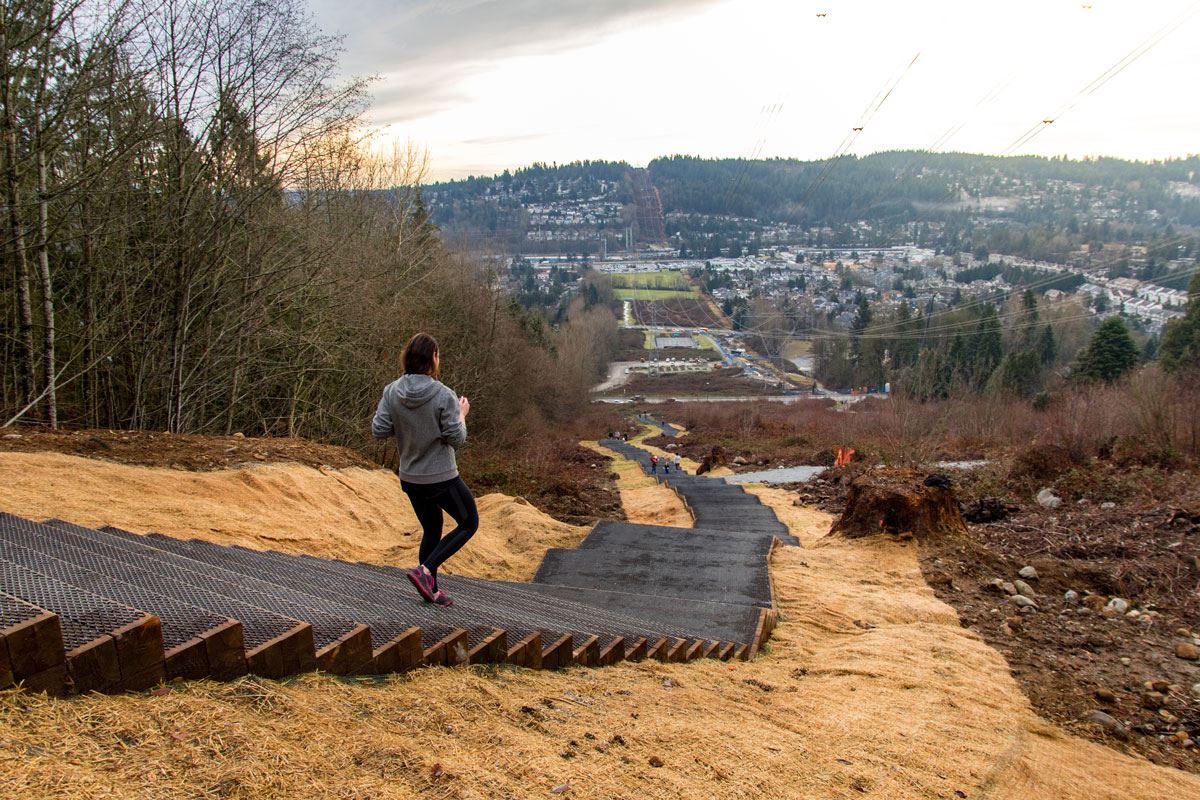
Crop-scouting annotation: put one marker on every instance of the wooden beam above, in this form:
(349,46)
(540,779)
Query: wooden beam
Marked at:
(677,651)
(710,649)
(457,653)
(34,647)
(558,654)
(527,652)
(613,652)
(492,650)
(348,654)
(637,650)
(657,650)
(726,651)
(760,632)
(449,652)
(94,666)
(742,652)
(286,654)
(6,673)
(588,653)
(53,681)
(695,648)
(225,650)
(188,661)
(398,655)
(140,653)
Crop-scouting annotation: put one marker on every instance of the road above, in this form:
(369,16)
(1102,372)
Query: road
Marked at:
(618,375)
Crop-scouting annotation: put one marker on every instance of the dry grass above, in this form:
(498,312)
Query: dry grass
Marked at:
(1158,413)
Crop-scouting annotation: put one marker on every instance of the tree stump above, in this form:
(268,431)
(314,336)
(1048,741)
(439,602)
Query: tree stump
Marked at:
(716,458)
(896,501)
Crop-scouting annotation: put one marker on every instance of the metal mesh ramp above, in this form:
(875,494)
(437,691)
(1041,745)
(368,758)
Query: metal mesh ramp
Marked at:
(110,610)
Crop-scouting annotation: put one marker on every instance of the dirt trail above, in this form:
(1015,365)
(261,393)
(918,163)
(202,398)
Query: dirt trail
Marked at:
(869,688)
(356,514)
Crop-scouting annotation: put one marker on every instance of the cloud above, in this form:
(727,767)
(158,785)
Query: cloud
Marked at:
(489,140)
(423,50)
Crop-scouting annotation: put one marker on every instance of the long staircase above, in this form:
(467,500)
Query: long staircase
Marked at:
(107,610)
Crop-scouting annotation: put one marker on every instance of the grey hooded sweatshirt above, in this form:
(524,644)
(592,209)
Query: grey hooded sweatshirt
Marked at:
(424,416)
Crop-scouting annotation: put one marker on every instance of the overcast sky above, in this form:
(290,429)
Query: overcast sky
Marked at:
(486,85)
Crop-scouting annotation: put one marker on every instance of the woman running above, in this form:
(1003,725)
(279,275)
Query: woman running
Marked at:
(429,423)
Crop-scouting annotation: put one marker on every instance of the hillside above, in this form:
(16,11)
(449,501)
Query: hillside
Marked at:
(870,686)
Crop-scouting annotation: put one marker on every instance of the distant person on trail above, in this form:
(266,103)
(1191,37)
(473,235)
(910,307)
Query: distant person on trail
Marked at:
(678,463)
(430,424)
(653,465)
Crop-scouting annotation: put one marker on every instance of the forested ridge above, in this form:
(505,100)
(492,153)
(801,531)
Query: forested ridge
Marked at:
(888,185)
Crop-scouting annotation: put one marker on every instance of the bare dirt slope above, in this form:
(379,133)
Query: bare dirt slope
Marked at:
(870,688)
(353,513)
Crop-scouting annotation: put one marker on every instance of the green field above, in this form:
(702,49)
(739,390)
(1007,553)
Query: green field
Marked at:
(651,280)
(653,294)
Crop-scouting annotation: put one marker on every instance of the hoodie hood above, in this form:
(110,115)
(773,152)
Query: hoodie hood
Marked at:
(415,391)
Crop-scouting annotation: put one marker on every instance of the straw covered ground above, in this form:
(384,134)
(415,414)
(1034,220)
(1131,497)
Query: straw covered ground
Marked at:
(869,688)
(644,500)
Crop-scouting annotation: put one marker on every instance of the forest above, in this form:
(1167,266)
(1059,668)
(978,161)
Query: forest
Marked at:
(199,238)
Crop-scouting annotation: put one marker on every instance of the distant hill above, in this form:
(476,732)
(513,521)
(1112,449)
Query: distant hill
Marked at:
(892,186)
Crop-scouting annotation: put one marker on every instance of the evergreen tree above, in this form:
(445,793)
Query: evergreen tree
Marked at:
(1180,347)
(1047,346)
(1110,354)
(987,348)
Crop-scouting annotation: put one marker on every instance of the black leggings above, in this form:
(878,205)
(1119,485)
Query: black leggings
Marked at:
(429,500)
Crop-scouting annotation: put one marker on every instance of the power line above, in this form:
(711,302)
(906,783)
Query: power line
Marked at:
(1104,77)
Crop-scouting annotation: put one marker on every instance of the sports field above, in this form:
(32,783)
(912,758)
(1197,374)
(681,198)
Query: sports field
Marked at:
(654,294)
(676,281)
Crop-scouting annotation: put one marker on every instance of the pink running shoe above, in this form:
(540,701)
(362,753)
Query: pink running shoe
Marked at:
(420,580)
(442,599)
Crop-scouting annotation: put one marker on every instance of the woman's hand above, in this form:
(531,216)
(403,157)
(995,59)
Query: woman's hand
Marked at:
(464,406)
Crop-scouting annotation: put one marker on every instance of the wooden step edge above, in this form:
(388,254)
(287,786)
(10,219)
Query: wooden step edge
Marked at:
(710,649)
(349,654)
(657,650)
(186,661)
(34,647)
(217,653)
(558,655)
(613,652)
(449,652)
(400,654)
(527,652)
(677,651)
(55,682)
(6,673)
(492,650)
(637,650)
(225,650)
(726,651)
(695,648)
(140,653)
(94,666)
(588,653)
(741,652)
(289,653)
(761,634)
